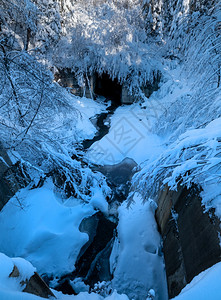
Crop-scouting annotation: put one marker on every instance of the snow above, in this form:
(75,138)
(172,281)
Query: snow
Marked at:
(205,286)
(129,134)
(193,158)
(190,135)
(107,38)
(174,135)
(26,270)
(99,202)
(116,296)
(88,109)
(79,286)
(11,287)
(91,296)
(10,295)
(35,224)
(136,260)
(42,223)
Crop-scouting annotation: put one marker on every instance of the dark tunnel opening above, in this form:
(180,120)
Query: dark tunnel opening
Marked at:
(110,89)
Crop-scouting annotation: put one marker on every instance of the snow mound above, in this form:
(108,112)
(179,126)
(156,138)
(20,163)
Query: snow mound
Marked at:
(136,260)
(38,227)
(11,287)
(205,286)
(130,133)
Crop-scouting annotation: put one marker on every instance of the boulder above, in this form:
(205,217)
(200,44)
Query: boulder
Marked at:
(11,180)
(35,285)
(38,287)
(119,173)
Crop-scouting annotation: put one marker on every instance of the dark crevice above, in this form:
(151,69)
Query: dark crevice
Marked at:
(65,287)
(92,264)
(102,128)
(104,233)
(110,89)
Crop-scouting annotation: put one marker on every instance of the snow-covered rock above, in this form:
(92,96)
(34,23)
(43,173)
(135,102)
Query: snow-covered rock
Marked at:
(18,280)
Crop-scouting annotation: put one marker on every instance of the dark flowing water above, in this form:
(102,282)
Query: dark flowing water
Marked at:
(102,128)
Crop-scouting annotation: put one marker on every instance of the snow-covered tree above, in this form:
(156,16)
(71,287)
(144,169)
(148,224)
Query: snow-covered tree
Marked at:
(107,37)
(18,22)
(192,153)
(48,24)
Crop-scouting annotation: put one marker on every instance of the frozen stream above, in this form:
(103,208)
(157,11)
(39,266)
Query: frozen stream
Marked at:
(124,249)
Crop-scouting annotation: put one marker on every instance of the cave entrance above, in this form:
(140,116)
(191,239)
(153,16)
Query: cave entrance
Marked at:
(110,89)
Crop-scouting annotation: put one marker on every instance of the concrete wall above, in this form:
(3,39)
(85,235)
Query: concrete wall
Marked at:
(190,236)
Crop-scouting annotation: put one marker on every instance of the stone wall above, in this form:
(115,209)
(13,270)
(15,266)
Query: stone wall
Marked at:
(96,83)
(67,79)
(190,236)
(126,98)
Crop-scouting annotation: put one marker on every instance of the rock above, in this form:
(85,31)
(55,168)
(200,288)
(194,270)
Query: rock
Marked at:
(38,287)
(93,260)
(14,273)
(190,236)
(35,285)
(5,161)
(66,78)
(12,177)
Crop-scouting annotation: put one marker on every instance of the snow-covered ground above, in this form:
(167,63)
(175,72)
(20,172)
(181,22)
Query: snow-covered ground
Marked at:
(11,287)
(205,286)
(174,135)
(39,226)
(43,228)
(130,136)
(141,131)
(137,261)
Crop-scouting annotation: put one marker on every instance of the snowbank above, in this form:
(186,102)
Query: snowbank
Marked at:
(11,287)
(205,286)
(37,226)
(88,109)
(91,296)
(130,135)
(136,260)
